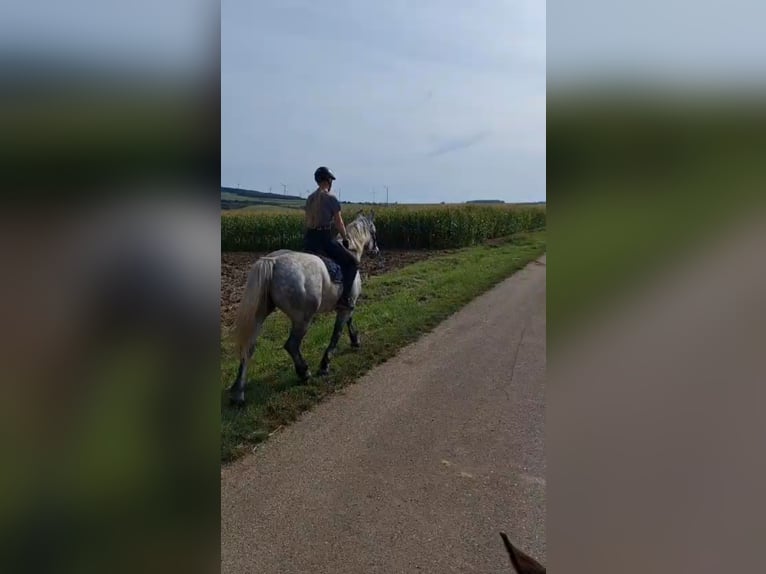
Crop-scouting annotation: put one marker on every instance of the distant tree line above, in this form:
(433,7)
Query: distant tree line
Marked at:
(485,201)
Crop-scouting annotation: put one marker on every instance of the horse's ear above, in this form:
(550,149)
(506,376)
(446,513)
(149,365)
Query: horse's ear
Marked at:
(357,214)
(522,563)
(372,215)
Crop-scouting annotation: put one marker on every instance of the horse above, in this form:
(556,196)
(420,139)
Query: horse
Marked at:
(299,285)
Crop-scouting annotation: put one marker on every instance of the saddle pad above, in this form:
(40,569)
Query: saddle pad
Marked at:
(336,275)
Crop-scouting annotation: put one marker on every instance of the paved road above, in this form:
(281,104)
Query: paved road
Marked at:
(418,466)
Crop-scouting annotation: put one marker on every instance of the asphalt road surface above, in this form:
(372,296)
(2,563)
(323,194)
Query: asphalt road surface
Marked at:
(418,466)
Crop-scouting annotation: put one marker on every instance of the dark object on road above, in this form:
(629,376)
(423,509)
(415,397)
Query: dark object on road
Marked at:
(522,563)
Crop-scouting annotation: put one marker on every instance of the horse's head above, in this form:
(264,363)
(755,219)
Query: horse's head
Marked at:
(372,244)
(367,233)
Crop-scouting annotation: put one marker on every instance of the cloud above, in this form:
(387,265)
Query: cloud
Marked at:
(456,144)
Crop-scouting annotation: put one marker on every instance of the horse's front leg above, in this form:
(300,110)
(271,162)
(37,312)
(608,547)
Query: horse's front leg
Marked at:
(353,333)
(341,319)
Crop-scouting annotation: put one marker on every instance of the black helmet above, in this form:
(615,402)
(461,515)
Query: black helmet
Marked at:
(323,174)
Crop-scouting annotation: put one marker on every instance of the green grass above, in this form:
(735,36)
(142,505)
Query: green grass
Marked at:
(394,310)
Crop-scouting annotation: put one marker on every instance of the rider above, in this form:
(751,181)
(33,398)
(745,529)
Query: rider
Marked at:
(322,211)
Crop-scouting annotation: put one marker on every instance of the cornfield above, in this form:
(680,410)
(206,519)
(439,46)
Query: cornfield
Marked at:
(398,227)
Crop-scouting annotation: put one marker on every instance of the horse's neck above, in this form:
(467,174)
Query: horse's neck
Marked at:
(358,251)
(358,244)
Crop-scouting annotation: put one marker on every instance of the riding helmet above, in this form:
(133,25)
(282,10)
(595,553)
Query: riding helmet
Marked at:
(323,174)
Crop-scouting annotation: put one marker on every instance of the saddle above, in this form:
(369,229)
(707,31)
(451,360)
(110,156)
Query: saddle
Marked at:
(336,275)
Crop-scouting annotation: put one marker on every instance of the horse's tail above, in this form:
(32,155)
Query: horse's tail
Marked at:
(254,299)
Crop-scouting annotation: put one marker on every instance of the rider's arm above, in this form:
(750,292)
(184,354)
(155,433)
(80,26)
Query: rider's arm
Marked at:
(340,226)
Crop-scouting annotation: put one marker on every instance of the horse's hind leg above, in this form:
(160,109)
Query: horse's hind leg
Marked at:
(293,346)
(237,389)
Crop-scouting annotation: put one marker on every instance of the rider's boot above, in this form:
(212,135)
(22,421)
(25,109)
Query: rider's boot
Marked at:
(343,303)
(348,284)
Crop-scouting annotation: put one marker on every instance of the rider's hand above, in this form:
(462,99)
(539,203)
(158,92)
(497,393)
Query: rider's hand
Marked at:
(345,243)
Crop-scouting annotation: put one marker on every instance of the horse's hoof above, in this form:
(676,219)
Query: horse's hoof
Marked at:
(323,372)
(356,344)
(305,375)
(237,401)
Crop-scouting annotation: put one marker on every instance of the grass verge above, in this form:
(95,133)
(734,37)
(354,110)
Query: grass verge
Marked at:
(394,310)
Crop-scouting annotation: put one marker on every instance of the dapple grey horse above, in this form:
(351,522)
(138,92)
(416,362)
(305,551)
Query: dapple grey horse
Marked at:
(298,284)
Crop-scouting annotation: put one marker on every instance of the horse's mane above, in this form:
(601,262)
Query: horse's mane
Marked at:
(358,233)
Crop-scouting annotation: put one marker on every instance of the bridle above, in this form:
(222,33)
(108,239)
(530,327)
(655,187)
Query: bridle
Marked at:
(374,236)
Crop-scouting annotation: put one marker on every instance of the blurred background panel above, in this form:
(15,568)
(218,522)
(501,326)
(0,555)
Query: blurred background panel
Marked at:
(96,96)
(109,246)
(656,175)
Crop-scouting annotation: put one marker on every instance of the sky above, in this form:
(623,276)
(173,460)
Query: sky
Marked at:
(685,43)
(440,100)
